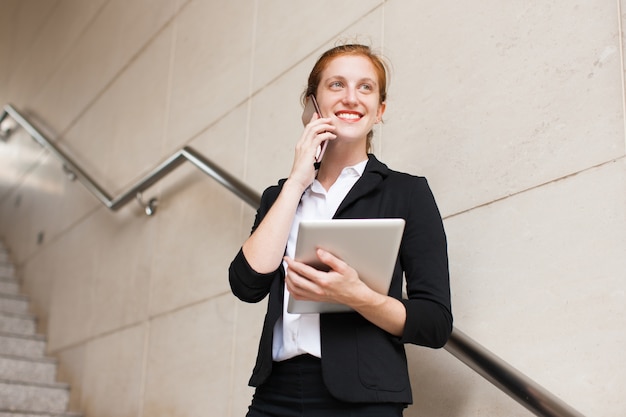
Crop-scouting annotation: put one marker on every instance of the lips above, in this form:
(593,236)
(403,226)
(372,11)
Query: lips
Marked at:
(349,116)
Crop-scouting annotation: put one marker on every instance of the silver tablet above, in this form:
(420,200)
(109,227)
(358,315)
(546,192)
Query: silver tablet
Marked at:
(370,246)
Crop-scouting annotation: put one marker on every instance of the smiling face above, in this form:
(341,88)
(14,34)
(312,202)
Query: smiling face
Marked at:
(348,93)
(350,63)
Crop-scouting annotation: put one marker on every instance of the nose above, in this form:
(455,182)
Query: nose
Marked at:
(350,96)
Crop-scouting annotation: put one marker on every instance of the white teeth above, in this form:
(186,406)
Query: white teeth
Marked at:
(348,116)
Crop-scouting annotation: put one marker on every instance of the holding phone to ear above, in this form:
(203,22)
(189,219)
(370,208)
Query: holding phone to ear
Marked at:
(311,107)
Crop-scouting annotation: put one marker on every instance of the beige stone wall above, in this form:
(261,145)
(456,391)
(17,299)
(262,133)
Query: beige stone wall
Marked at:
(514,111)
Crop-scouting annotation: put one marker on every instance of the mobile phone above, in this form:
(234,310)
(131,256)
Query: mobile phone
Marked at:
(311,107)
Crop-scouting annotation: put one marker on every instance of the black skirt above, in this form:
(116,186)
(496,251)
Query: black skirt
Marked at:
(296,389)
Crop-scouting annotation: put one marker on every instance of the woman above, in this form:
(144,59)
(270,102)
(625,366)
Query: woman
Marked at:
(342,364)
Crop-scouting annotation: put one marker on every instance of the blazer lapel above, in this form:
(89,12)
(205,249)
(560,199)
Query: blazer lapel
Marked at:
(375,172)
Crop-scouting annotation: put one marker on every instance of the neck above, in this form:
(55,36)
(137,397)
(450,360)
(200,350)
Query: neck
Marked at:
(335,161)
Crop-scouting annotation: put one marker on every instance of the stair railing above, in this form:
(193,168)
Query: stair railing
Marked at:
(511,381)
(187,153)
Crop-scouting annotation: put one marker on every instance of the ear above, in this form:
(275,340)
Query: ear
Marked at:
(379,113)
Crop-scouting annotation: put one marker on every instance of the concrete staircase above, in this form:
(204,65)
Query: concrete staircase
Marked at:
(28,386)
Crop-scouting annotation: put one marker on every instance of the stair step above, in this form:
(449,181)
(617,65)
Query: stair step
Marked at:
(7,270)
(30,346)
(22,369)
(42,398)
(14,303)
(9,287)
(17,323)
(9,413)
(27,376)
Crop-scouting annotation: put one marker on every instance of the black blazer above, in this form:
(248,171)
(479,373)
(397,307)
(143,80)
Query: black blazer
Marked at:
(360,361)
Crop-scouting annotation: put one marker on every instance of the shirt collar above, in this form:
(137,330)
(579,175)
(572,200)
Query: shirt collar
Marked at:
(349,171)
(358,168)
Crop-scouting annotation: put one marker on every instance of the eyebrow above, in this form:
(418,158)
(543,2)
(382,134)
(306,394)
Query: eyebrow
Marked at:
(341,77)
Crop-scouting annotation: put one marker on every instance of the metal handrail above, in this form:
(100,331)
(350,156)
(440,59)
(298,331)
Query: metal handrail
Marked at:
(500,373)
(508,379)
(187,153)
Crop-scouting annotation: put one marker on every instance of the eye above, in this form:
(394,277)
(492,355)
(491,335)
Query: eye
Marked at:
(336,85)
(366,87)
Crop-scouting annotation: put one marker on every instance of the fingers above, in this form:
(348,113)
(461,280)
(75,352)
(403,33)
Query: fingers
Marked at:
(315,132)
(301,282)
(331,260)
(307,283)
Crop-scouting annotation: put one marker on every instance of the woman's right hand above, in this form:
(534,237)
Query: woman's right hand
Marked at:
(265,248)
(315,132)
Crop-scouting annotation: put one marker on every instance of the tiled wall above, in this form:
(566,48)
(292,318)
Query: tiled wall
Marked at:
(514,111)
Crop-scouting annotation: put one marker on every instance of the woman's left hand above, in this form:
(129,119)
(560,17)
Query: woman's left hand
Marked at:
(339,285)
(342,285)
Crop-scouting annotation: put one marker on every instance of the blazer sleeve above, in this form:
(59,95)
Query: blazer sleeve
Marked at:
(245,283)
(424,258)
